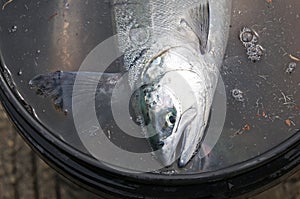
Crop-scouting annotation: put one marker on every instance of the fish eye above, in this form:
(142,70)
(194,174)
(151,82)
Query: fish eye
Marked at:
(170,118)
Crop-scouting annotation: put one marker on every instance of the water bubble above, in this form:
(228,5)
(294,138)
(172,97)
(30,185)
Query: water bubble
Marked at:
(291,67)
(249,38)
(255,52)
(20,72)
(67,5)
(246,36)
(237,95)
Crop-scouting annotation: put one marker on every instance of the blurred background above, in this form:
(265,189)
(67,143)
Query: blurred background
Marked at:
(24,175)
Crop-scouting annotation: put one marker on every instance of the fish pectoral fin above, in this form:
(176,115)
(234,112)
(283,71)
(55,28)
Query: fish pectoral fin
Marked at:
(58,86)
(198,19)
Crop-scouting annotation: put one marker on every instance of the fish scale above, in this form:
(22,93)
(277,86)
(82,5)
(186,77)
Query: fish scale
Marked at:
(130,16)
(179,45)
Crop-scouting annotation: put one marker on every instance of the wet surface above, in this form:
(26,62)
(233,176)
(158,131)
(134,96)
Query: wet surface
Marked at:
(270,93)
(262,96)
(39,37)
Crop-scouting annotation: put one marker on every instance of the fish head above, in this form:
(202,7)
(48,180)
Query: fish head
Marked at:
(172,116)
(160,113)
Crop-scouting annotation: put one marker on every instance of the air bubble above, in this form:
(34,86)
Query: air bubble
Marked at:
(246,37)
(249,38)
(237,95)
(20,72)
(67,5)
(291,67)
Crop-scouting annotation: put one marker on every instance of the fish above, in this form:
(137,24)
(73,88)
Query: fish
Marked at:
(173,51)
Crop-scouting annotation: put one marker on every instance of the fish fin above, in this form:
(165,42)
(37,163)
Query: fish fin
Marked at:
(58,86)
(198,19)
(202,163)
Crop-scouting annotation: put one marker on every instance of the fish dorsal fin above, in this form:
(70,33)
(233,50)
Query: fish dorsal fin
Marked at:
(198,20)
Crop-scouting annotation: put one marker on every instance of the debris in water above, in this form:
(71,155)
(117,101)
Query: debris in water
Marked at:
(109,134)
(66,111)
(247,127)
(35,62)
(20,72)
(288,100)
(291,67)
(249,38)
(67,5)
(263,76)
(52,16)
(13,29)
(6,3)
(294,58)
(289,122)
(260,109)
(237,95)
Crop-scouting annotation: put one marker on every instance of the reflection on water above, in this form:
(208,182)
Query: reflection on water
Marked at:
(262,97)
(271,94)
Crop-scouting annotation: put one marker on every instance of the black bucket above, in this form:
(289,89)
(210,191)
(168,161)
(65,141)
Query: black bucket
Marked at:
(260,140)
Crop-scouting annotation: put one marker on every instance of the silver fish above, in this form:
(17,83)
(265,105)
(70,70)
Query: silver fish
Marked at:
(183,49)
(173,51)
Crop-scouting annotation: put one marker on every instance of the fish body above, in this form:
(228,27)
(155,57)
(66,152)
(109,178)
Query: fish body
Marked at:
(172,51)
(178,69)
